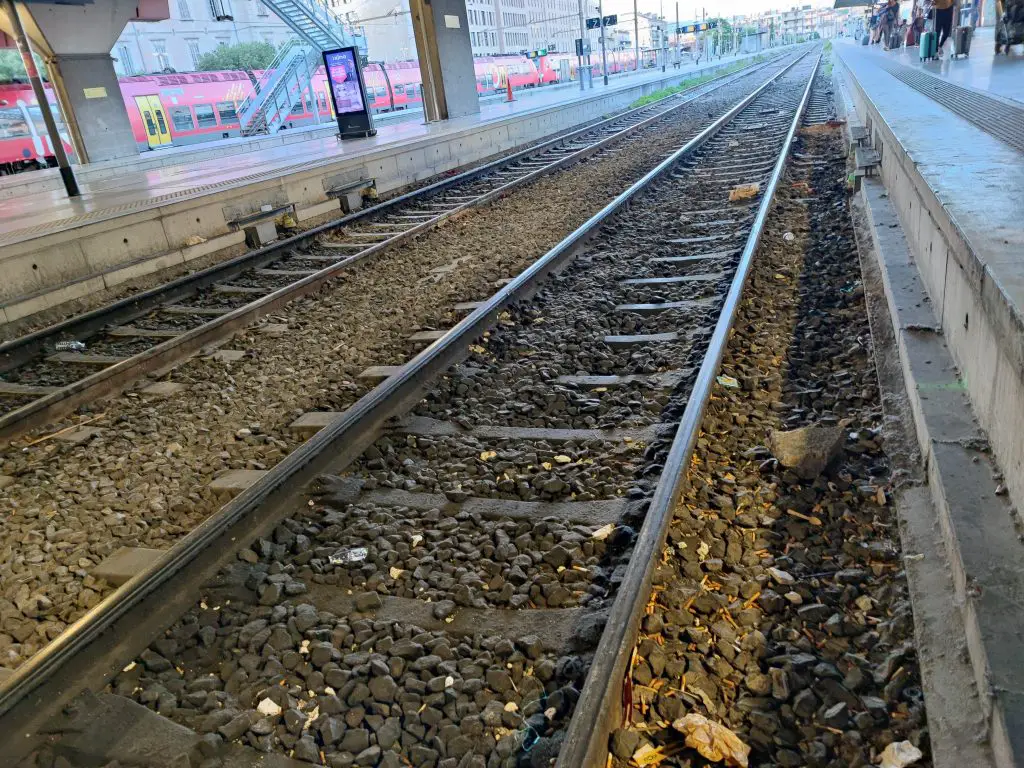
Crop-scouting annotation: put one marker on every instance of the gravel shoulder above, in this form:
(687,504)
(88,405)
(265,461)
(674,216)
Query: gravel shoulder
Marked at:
(780,609)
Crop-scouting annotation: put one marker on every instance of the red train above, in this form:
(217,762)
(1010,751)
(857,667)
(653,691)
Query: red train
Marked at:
(180,109)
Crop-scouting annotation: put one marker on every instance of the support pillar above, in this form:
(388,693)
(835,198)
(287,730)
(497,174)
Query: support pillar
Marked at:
(441,29)
(75,41)
(100,120)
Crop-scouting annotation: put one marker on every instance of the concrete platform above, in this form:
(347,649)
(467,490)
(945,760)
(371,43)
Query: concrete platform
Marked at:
(947,240)
(959,195)
(142,220)
(1000,76)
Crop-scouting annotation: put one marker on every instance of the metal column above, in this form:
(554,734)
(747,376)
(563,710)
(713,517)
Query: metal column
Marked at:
(66,174)
(434,104)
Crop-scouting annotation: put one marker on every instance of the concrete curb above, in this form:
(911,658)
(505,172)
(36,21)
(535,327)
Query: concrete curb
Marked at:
(982,543)
(962,548)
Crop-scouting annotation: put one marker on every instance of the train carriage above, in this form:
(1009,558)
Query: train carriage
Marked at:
(178,109)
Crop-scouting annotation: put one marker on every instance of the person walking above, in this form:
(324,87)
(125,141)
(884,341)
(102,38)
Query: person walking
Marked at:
(943,23)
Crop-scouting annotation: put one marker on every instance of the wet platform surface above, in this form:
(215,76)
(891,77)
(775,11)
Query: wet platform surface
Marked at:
(134,189)
(977,178)
(998,76)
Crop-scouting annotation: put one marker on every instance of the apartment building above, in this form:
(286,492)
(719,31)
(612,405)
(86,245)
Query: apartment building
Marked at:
(196,27)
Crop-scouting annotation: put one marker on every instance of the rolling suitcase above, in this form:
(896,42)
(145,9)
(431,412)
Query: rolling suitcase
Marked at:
(962,41)
(865,40)
(894,39)
(911,38)
(929,50)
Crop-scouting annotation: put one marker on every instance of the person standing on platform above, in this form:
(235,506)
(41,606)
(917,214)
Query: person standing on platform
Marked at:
(890,15)
(943,23)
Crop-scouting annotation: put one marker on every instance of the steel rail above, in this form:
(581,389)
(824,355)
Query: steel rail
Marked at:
(165,354)
(132,306)
(90,652)
(598,710)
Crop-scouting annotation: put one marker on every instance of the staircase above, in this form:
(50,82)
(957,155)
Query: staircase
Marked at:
(279,88)
(282,84)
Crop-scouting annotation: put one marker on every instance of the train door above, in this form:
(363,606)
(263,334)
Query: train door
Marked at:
(153,118)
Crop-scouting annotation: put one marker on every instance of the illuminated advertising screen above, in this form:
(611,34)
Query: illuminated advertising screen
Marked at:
(343,74)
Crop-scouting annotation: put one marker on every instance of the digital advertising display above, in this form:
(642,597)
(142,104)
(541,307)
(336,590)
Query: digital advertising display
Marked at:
(346,84)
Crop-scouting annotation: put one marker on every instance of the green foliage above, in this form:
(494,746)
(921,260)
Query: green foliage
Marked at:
(13,71)
(692,82)
(243,56)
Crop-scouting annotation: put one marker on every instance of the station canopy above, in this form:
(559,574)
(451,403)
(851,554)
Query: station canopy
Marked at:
(853,4)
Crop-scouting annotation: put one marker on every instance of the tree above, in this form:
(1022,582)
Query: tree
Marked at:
(13,71)
(243,56)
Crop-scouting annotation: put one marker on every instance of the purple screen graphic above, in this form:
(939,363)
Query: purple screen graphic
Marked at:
(341,70)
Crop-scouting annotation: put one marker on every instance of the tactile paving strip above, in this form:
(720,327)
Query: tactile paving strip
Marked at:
(997,118)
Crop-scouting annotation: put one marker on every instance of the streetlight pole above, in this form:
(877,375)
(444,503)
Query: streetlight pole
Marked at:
(20,39)
(636,37)
(604,56)
(663,43)
(583,37)
(677,34)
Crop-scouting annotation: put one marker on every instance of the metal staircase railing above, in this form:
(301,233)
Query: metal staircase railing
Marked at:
(282,84)
(279,89)
(312,21)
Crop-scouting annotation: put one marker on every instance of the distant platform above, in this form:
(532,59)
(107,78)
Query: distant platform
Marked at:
(135,218)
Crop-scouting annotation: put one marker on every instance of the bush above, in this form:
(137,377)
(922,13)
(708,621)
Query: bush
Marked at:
(13,71)
(243,56)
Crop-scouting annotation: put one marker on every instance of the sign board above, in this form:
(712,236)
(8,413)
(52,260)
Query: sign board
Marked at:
(345,81)
(537,54)
(701,26)
(594,23)
(607,21)
(582,46)
(611,20)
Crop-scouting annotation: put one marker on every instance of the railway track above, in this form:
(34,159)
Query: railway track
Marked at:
(43,377)
(455,566)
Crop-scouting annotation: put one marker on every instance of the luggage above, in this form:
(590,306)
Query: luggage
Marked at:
(929,49)
(894,39)
(865,40)
(962,41)
(911,38)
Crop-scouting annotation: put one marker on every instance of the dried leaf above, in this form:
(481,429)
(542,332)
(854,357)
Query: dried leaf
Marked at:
(712,740)
(562,459)
(900,754)
(488,455)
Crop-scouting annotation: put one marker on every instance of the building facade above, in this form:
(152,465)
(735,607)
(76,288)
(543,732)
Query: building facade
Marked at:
(196,27)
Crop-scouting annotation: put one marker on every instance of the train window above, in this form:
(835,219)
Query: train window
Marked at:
(181,118)
(12,124)
(36,115)
(298,108)
(382,92)
(205,116)
(226,111)
(399,89)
